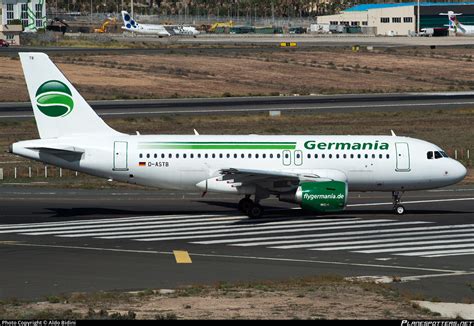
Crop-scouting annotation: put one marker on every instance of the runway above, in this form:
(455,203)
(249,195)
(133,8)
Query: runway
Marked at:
(239,105)
(55,241)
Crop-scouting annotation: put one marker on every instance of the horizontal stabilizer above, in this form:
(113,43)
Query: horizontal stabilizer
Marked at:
(59,148)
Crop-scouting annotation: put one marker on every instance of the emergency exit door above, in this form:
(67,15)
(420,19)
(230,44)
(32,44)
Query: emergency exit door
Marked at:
(120,156)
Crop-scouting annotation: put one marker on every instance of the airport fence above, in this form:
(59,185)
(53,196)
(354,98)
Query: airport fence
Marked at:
(18,170)
(98,18)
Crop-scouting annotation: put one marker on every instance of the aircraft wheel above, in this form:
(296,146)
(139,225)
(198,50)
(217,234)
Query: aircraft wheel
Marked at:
(399,210)
(255,211)
(244,204)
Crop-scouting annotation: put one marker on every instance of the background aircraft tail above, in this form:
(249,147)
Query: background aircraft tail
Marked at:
(128,21)
(58,107)
(453,20)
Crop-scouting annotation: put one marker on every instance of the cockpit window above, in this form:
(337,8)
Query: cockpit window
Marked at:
(435,155)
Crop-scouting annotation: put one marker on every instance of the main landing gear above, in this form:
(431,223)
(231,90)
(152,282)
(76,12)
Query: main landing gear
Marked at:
(397,207)
(251,208)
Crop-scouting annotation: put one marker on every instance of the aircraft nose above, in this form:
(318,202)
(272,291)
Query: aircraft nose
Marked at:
(458,171)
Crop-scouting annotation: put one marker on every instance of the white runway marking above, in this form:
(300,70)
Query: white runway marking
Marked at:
(413,202)
(361,235)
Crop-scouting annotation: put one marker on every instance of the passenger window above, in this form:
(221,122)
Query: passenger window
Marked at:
(315,155)
(235,155)
(147,155)
(191,155)
(170,155)
(256,155)
(199,155)
(278,155)
(429,155)
(309,155)
(242,155)
(330,155)
(250,156)
(337,155)
(323,155)
(206,155)
(140,156)
(264,155)
(177,155)
(213,155)
(388,156)
(184,155)
(352,155)
(438,155)
(366,156)
(358,156)
(380,155)
(220,155)
(228,155)
(373,155)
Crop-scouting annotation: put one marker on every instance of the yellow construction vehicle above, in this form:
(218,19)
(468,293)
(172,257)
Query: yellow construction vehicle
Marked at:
(107,22)
(220,26)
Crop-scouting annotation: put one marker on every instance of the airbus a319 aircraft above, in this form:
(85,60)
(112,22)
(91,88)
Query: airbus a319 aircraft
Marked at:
(313,171)
(131,25)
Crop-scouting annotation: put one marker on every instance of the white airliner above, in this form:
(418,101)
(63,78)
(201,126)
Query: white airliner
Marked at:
(131,25)
(456,26)
(314,171)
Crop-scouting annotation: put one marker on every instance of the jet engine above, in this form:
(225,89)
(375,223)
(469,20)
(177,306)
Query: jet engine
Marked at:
(322,197)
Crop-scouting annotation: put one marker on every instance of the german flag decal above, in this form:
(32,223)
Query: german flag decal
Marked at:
(141,164)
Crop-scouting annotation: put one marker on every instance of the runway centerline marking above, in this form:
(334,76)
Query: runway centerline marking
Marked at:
(399,267)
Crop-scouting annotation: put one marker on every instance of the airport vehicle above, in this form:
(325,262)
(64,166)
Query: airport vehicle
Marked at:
(220,27)
(57,25)
(313,171)
(455,26)
(4,43)
(438,31)
(105,24)
(129,24)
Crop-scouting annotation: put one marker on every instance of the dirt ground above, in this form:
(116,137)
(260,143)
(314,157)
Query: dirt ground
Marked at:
(243,72)
(324,297)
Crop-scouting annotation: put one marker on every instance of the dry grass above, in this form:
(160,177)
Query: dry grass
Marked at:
(184,73)
(323,297)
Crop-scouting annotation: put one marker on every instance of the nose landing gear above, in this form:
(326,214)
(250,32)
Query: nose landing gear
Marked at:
(397,207)
(250,208)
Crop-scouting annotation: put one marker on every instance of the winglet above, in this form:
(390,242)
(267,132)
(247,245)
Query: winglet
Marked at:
(393,133)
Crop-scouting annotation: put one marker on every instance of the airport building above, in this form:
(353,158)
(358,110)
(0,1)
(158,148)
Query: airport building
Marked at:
(399,18)
(21,16)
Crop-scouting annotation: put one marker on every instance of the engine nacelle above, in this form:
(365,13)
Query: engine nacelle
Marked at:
(326,196)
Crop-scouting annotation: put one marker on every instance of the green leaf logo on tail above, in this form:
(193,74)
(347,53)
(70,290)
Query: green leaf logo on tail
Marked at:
(54,99)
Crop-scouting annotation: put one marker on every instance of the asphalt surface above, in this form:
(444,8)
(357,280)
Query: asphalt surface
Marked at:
(239,105)
(56,241)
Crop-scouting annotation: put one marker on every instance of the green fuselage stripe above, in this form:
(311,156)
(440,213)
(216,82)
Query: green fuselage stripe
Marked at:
(217,145)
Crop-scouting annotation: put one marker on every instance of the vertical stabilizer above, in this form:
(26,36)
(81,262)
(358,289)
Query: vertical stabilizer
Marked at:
(58,107)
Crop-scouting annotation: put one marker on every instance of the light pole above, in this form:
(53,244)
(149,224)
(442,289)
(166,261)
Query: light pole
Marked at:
(418,20)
